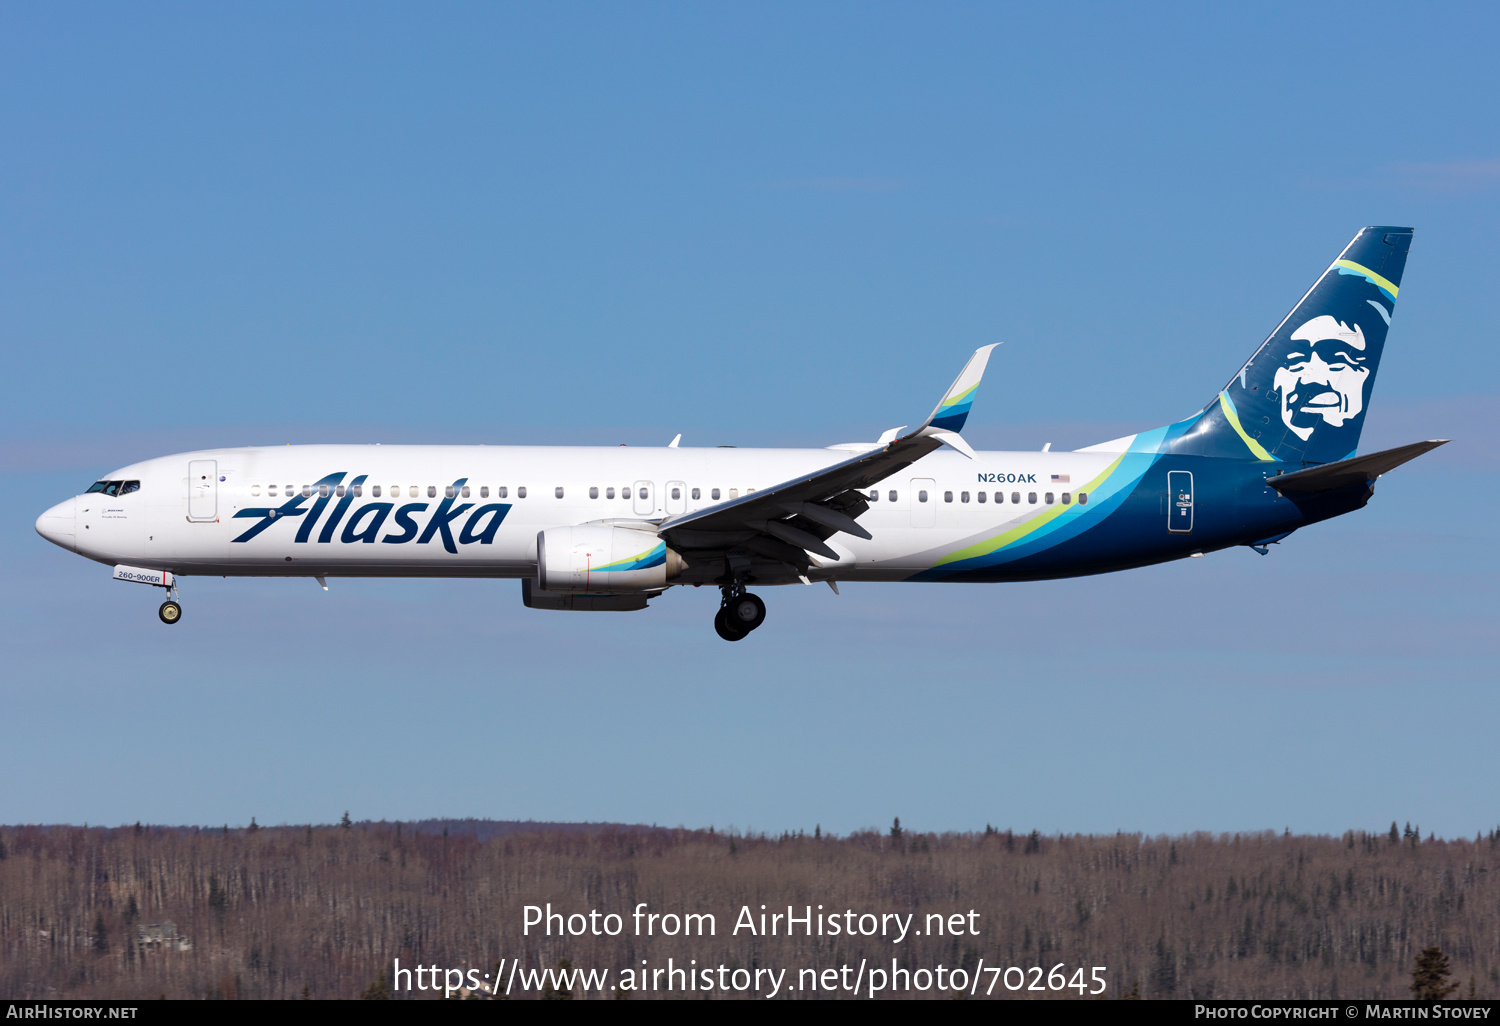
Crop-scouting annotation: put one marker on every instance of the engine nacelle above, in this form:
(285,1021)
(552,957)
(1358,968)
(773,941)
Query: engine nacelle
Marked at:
(608,560)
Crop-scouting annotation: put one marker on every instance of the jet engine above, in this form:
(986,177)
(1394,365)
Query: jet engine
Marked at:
(603,560)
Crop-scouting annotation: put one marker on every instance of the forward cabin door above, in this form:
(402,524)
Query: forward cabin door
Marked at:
(203,490)
(1179,501)
(922,498)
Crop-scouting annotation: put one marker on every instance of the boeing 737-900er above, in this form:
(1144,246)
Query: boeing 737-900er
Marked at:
(609,528)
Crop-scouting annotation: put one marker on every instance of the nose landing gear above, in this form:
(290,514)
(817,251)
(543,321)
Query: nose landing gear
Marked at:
(171,610)
(739,614)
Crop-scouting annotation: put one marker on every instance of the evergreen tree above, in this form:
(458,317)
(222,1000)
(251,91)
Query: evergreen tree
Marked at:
(132,911)
(101,935)
(1429,981)
(1395,835)
(218,898)
(550,993)
(346,822)
(1164,974)
(896,829)
(377,991)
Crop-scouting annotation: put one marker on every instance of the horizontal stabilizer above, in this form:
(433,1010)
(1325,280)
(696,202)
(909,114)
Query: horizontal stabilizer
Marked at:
(1355,471)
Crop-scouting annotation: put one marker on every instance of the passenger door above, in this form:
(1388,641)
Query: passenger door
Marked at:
(203,490)
(923,499)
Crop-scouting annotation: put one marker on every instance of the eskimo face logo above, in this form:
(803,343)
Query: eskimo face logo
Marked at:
(1322,381)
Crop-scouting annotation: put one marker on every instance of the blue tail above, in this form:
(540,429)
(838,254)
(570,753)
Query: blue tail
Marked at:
(1302,397)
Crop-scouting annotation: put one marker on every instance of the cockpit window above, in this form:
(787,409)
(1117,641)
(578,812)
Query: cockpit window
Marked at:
(114,487)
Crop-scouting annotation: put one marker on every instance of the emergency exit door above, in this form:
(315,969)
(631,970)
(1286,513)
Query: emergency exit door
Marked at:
(923,500)
(203,489)
(1179,501)
(645,503)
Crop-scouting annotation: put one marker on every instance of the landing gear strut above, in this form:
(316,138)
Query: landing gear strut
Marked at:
(739,613)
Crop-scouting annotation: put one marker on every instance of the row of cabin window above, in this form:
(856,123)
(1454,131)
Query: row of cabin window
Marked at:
(358,491)
(1015,497)
(414,491)
(676,492)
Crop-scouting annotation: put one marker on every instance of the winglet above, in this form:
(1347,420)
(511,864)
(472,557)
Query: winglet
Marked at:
(951,413)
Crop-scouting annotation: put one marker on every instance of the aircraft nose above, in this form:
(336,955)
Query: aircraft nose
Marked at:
(57,525)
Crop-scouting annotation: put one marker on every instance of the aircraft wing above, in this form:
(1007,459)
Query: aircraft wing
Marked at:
(793,518)
(1354,471)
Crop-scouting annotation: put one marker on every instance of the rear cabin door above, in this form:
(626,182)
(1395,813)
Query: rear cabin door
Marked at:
(645,500)
(203,490)
(1179,501)
(923,500)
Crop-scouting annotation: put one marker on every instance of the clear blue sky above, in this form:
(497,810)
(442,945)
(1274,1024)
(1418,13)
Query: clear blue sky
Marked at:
(753,224)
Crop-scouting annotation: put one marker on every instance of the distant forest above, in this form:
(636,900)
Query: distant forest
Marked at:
(321,911)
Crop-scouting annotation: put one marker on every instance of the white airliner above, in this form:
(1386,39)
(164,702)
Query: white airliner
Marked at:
(608,528)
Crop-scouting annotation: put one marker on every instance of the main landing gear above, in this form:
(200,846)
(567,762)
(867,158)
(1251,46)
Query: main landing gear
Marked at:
(739,614)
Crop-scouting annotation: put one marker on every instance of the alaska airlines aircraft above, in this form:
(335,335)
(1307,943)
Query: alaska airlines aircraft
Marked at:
(610,528)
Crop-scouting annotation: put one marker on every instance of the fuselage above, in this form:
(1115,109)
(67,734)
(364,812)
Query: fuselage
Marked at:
(476,511)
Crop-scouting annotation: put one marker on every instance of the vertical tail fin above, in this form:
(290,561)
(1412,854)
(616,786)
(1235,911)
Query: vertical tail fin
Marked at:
(1302,397)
